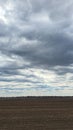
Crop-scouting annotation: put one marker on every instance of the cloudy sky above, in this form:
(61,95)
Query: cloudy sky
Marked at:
(36,47)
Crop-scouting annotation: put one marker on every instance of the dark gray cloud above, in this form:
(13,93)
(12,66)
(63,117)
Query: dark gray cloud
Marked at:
(56,51)
(54,46)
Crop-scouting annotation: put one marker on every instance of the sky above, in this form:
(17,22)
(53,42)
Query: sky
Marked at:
(36,48)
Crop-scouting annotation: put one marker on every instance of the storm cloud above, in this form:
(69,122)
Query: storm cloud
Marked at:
(36,47)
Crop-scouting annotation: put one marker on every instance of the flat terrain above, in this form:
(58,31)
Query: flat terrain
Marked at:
(45,113)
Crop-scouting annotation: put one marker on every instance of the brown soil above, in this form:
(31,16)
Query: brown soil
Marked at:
(45,113)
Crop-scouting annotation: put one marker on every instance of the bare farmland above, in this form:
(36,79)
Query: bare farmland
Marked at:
(35,113)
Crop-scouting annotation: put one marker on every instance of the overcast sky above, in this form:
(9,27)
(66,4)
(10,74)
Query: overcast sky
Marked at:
(36,47)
